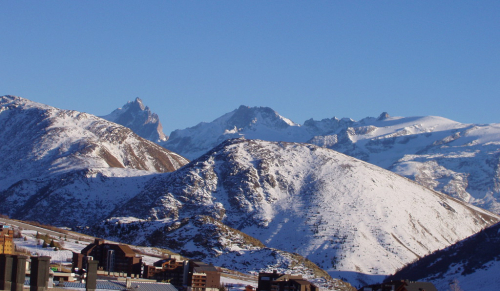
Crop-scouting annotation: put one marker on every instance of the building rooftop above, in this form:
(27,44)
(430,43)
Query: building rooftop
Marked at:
(117,285)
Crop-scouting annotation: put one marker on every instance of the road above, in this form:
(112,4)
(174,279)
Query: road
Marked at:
(41,230)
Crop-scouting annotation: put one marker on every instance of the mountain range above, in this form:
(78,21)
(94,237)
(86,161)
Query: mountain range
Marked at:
(461,160)
(255,204)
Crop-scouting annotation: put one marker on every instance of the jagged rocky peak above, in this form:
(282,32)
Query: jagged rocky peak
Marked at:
(383,116)
(136,105)
(138,102)
(138,117)
(246,116)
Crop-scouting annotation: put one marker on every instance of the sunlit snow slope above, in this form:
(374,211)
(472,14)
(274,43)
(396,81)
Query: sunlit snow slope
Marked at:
(351,218)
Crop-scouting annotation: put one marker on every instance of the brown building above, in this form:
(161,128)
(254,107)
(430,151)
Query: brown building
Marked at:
(111,257)
(402,285)
(284,282)
(203,277)
(172,269)
(194,275)
(6,240)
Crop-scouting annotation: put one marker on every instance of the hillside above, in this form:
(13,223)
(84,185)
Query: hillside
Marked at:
(70,168)
(71,241)
(351,218)
(473,262)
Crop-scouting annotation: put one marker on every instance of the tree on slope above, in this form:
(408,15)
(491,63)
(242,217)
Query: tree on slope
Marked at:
(455,286)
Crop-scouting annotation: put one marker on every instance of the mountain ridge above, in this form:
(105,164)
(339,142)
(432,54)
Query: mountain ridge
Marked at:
(354,219)
(437,152)
(50,155)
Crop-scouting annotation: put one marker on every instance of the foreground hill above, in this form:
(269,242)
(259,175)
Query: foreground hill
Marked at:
(204,238)
(474,263)
(68,167)
(75,242)
(461,160)
(351,218)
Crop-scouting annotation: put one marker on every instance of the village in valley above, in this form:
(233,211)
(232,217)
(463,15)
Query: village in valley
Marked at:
(56,259)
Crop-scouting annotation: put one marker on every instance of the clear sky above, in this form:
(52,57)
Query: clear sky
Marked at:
(192,61)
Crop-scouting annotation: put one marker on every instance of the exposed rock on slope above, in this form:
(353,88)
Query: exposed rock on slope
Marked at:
(140,119)
(38,139)
(347,216)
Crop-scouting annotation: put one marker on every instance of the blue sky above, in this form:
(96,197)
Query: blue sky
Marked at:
(192,61)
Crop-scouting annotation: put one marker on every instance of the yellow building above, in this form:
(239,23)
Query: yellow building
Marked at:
(6,240)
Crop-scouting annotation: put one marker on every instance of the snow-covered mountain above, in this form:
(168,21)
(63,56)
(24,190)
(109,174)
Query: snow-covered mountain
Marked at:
(249,122)
(140,119)
(68,167)
(351,218)
(473,263)
(461,160)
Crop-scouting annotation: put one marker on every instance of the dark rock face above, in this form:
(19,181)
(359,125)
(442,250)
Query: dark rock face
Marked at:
(383,116)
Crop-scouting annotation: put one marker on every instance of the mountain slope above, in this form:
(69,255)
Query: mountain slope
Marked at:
(38,139)
(461,160)
(474,262)
(204,238)
(140,119)
(49,155)
(74,198)
(351,218)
